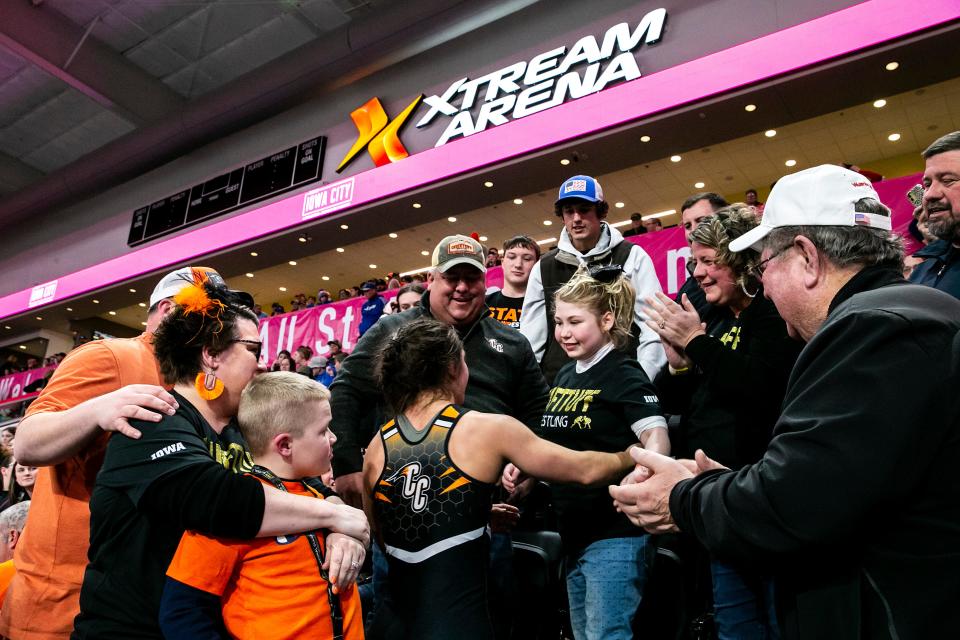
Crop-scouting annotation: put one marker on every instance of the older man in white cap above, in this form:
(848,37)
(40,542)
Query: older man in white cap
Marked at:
(854,507)
(94,391)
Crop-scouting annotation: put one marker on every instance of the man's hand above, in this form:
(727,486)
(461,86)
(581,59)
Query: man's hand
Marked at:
(647,503)
(344,558)
(350,488)
(351,522)
(135,401)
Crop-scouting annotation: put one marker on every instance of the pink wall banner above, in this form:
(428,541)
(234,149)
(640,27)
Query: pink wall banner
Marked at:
(12,386)
(829,37)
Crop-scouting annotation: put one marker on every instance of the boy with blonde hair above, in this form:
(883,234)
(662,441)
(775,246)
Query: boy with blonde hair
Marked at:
(283,587)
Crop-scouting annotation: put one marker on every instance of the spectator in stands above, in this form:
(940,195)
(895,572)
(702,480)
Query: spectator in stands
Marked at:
(520,254)
(586,239)
(354,292)
(872,176)
(12,521)
(22,481)
(317,364)
(493,258)
(10,365)
(653,224)
(276,309)
(372,308)
(185,471)
(636,225)
(323,297)
(327,375)
(393,282)
(311,303)
(408,296)
(335,347)
(941,211)
(94,391)
(343,294)
(7,434)
(301,360)
(877,560)
(438,573)
(294,305)
(741,343)
(692,211)
(284,419)
(284,363)
(259,311)
(750,197)
(606,559)
(418,278)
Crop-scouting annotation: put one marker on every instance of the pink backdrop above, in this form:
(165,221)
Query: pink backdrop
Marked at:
(11,386)
(668,250)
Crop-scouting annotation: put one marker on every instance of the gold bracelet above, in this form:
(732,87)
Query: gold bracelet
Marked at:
(677,372)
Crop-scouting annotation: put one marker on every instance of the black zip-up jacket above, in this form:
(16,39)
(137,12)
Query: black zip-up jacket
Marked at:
(855,506)
(504,378)
(940,268)
(711,398)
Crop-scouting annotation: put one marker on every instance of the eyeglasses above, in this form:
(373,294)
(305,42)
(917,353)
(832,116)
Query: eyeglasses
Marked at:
(253,343)
(757,270)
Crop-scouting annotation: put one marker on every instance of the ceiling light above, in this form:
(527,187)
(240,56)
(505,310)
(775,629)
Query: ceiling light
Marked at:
(69,308)
(750,108)
(488,184)
(621,224)
(483,238)
(770,133)
(23,346)
(452,219)
(619,205)
(791,163)
(564,162)
(413,271)
(283,288)
(325,278)
(39,317)
(417,205)
(143,323)
(292,263)
(133,290)
(394,236)
(372,266)
(546,241)
(698,185)
(892,66)
(254,254)
(344,226)
(95,301)
(644,138)
(142,304)
(8,327)
(302,238)
(424,253)
(660,214)
(880,104)
(340,249)
(675,158)
(249,275)
(893,137)
(113,313)
(547,223)
(518,201)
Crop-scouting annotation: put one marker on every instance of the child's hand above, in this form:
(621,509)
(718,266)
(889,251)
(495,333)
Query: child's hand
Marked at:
(343,561)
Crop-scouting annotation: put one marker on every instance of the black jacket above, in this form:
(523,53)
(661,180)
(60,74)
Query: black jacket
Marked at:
(855,506)
(940,269)
(504,378)
(731,399)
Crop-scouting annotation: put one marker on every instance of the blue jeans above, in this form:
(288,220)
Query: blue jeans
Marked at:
(742,604)
(604,585)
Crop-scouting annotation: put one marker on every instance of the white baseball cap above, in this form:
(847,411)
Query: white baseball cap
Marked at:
(823,196)
(171,284)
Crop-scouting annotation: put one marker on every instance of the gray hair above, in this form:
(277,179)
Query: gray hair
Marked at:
(846,246)
(15,517)
(949,142)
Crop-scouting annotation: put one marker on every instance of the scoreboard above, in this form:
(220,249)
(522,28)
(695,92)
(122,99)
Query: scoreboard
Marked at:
(280,172)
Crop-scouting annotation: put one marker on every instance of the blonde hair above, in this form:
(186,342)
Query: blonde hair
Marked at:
(617,297)
(726,224)
(275,403)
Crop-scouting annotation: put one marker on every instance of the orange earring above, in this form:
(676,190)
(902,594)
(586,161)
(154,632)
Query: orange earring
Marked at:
(208,385)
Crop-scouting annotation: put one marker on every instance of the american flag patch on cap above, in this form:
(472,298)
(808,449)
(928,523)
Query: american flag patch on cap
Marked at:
(576,185)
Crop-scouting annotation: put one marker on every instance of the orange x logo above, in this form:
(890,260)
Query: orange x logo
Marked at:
(379,136)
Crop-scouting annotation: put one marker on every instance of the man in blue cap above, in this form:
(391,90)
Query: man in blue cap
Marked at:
(587,239)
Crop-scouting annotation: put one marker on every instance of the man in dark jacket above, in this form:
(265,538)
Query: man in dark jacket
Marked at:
(504,375)
(941,208)
(854,505)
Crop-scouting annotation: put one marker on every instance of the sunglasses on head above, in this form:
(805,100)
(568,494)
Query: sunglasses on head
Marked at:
(605,273)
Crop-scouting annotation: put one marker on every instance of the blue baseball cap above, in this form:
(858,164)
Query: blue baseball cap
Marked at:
(580,188)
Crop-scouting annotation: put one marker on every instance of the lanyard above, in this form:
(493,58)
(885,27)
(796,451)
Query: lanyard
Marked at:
(336,612)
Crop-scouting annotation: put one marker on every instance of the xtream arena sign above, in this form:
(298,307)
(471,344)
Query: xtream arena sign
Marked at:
(545,81)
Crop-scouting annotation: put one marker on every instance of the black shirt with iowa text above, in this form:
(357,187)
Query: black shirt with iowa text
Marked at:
(505,309)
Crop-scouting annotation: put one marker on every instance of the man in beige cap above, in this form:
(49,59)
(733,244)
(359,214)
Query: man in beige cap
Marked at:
(94,391)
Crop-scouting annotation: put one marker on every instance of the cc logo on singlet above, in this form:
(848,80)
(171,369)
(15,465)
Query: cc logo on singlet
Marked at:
(414,485)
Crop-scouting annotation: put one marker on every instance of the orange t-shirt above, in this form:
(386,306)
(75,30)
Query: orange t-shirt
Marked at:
(7,571)
(51,555)
(268,587)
